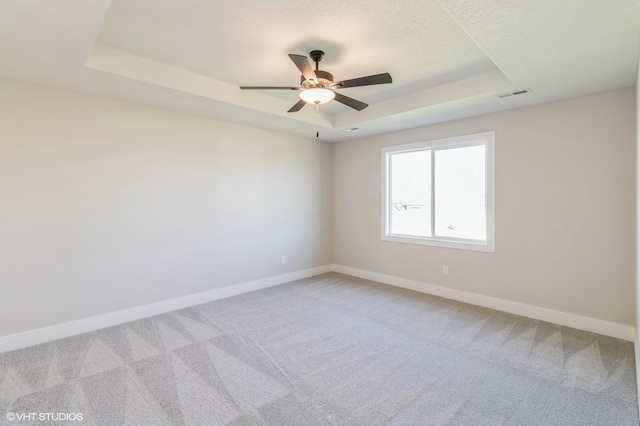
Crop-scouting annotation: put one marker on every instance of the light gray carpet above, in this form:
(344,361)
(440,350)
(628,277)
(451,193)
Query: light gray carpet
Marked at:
(328,350)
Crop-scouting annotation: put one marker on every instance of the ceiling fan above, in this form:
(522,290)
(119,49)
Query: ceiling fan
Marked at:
(318,87)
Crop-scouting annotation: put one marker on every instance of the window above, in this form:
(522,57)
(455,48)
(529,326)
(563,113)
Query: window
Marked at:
(441,193)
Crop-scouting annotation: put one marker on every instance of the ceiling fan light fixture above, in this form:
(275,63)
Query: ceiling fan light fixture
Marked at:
(317,86)
(317,95)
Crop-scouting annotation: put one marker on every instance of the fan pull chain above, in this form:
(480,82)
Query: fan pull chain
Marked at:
(317,114)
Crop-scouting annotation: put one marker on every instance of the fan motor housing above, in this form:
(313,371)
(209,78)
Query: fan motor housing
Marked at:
(325,79)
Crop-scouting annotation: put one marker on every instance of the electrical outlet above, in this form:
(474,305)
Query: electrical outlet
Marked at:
(445,270)
(283,259)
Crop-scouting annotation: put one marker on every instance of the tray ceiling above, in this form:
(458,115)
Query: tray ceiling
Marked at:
(448,58)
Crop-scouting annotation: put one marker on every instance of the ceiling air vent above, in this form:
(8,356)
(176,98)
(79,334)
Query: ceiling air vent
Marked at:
(517,92)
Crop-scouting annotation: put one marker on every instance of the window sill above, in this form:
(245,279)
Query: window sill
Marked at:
(487,247)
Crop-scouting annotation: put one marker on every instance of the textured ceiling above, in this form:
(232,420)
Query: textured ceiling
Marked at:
(448,58)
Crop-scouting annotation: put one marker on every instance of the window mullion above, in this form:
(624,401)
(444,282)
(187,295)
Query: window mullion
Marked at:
(433,193)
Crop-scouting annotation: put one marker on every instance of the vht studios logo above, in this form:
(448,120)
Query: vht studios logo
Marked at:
(50,417)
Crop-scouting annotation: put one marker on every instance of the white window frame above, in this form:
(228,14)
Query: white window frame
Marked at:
(488,140)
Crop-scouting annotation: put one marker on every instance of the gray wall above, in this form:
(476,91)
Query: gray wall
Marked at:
(106,205)
(565,209)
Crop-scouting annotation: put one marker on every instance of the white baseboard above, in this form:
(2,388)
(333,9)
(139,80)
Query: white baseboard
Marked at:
(72,328)
(59,331)
(606,328)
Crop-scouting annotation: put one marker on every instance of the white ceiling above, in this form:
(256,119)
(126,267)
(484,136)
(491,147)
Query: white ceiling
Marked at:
(448,58)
